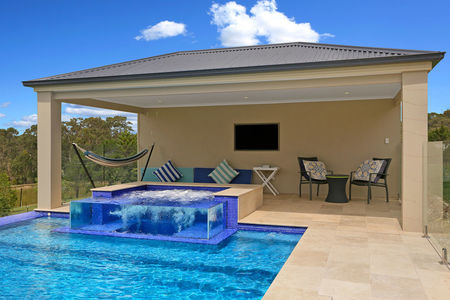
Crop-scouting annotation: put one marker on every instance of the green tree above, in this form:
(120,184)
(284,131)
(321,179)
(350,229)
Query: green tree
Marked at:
(8,149)
(111,137)
(439,134)
(22,167)
(18,154)
(7,195)
(439,126)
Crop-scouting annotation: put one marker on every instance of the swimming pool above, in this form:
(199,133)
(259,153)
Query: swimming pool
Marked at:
(39,263)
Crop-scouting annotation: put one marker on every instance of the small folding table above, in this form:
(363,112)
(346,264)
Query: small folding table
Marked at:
(266,180)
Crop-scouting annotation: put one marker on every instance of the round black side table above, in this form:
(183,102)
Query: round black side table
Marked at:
(336,188)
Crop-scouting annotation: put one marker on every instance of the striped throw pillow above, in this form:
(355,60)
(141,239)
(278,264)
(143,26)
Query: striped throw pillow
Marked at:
(223,174)
(167,173)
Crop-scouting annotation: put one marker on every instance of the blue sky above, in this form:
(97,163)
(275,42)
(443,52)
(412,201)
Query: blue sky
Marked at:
(48,37)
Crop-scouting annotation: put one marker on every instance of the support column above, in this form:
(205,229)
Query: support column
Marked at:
(49,151)
(140,145)
(414,136)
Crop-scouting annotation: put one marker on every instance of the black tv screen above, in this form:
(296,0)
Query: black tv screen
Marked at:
(256,137)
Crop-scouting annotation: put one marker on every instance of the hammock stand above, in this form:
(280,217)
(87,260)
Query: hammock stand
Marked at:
(111,162)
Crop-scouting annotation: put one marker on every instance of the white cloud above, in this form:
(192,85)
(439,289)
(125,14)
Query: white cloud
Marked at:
(5,104)
(238,28)
(65,118)
(163,29)
(133,122)
(326,35)
(2,115)
(73,110)
(26,121)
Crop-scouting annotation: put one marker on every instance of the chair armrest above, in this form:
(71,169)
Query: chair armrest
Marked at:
(370,177)
(351,175)
(304,173)
(381,174)
(309,174)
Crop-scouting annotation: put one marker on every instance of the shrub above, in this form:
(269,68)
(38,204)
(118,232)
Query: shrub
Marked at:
(7,196)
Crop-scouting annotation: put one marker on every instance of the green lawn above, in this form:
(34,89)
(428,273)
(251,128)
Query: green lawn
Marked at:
(26,194)
(23,209)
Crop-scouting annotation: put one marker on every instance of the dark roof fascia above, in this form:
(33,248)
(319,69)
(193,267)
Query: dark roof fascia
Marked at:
(435,57)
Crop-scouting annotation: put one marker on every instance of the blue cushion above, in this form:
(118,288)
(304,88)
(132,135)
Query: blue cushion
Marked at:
(167,173)
(201,175)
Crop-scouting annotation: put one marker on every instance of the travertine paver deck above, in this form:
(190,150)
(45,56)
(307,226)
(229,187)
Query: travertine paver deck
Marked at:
(352,257)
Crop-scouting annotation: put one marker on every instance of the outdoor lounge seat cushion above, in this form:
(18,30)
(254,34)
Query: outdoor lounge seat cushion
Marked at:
(368,167)
(316,168)
(302,165)
(201,175)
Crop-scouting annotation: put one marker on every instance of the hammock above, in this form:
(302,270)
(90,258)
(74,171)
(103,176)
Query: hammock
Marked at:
(111,162)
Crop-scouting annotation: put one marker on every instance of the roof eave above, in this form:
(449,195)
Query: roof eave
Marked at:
(434,57)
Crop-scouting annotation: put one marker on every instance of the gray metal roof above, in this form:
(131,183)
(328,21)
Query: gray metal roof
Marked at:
(270,57)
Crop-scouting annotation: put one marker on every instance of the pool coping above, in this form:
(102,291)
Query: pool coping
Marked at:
(234,190)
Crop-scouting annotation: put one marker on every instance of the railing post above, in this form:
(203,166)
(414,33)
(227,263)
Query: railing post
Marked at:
(425,232)
(444,260)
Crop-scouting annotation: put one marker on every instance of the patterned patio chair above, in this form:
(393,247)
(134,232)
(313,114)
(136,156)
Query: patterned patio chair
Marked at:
(370,176)
(306,176)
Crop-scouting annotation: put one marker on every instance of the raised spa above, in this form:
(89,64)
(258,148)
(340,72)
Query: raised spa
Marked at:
(190,214)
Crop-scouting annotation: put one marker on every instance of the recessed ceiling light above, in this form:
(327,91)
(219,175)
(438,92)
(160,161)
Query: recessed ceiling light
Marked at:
(159,101)
(245,97)
(347,93)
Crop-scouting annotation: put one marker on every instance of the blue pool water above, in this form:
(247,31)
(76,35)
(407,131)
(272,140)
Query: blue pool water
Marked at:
(38,263)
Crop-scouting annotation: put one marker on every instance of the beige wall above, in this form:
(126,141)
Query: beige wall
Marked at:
(342,134)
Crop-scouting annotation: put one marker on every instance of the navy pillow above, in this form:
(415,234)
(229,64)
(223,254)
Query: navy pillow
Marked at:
(167,173)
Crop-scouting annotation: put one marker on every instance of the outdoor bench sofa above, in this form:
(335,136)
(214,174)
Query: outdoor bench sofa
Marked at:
(201,175)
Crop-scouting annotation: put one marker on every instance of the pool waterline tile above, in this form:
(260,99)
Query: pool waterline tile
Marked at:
(212,241)
(13,219)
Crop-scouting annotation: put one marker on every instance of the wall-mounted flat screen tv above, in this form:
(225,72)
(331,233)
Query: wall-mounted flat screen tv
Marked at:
(256,137)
